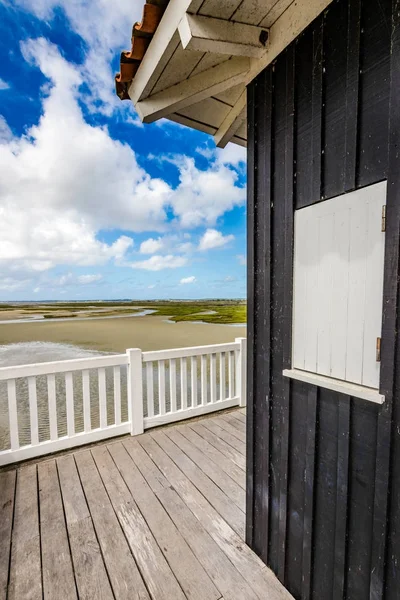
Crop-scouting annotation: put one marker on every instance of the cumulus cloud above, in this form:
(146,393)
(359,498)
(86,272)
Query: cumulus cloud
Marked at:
(186,280)
(3,85)
(214,239)
(88,279)
(158,263)
(151,246)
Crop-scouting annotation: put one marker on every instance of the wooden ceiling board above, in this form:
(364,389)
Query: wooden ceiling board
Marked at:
(275,12)
(209,111)
(218,9)
(208,61)
(252,12)
(179,68)
(232,95)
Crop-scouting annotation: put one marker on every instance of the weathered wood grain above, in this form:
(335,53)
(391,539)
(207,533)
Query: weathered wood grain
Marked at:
(215,428)
(25,568)
(220,444)
(90,572)
(7,494)
(58,576)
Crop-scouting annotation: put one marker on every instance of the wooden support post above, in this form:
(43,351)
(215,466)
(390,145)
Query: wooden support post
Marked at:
(135,390)
(241,366)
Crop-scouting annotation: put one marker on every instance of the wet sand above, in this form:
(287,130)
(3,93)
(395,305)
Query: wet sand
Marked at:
(116,335)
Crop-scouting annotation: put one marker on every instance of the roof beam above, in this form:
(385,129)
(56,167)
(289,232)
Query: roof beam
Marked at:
(232,122)
(206,34)
(190,91)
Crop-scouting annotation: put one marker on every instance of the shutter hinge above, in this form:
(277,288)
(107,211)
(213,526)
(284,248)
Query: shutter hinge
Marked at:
(378,349)
(383,218)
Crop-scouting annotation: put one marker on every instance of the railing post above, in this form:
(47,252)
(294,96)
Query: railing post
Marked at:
(241,359)
(135,390)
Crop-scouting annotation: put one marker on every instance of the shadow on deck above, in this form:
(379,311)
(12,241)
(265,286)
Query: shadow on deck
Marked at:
(158,516)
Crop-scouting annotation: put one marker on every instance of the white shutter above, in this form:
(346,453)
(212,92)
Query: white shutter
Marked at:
(338,286)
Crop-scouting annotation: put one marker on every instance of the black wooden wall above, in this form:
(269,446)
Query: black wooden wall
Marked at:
(323,505)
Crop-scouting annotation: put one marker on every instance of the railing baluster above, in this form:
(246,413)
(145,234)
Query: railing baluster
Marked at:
(193,375)
(87,419)
(69,398)
(231,375)
(172,384)
(184,384)
(12,414)
(117,395)
(51,396)
(150,389)
(204,379)
(33,413)
(222,376)
(102,398)
(213,377)
(161,386)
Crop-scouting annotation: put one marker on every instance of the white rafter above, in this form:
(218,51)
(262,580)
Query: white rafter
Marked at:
(193,90)
(206,34)
(233,120)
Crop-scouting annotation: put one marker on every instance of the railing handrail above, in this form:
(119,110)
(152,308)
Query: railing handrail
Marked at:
(62,366)
(198,386)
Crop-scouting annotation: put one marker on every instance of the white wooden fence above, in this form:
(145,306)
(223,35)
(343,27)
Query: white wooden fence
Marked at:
(58,405)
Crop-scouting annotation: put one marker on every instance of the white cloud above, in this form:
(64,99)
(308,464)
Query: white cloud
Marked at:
(242,259)
(151,246)
(214,239)
(87,279)
(3,85)
(5,132)
(158,263)
(232,154)
(186,280)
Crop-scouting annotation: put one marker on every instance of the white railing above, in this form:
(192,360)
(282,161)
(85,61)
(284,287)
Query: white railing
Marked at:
(54,406)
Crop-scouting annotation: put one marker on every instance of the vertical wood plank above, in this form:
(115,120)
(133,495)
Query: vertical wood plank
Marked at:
(386,442)
(339,571)
(12,414)
(102,398)
(69,399)
(213,378)
(352,94)
(87,419)
(7,496)
(204,380)
(52,404)
(150,389)
(184,387)
(161,387)
(309,476)
(325,286)
(317,101)
(222,376)
(193,375)
(287,298)
(172,383)
(117,394)
(33,414)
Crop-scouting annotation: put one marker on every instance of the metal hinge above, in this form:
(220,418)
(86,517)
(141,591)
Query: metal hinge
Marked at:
(384,217)
(378,349)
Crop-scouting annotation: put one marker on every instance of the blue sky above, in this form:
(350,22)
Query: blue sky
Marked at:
(92,203)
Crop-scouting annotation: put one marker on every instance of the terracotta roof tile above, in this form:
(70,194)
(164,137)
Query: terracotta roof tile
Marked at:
(142,34)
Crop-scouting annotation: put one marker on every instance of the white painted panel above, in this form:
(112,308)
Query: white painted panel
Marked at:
(33,414)
(193,375)
(324,315)
(373,300)
(213,378)
(87,421)
(222,377)
(51,393)
(150,389)
(184,389)
(338,286)
(69,399)
(117,395)
(172,384)
(161,387)
(102,398)
(204,380)
(12,414)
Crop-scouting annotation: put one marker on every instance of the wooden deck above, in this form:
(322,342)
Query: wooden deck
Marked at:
(157,516)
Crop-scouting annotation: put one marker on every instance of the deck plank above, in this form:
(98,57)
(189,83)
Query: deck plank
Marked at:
(217,498)
(239,417)
(7,493)
(124,575)
(25,569)
(209,468)
(58,576)
(192,577)
(220,444)
(229,424)
(160,579)
(90,572)
(241,556)
(214,426)
(230,468)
